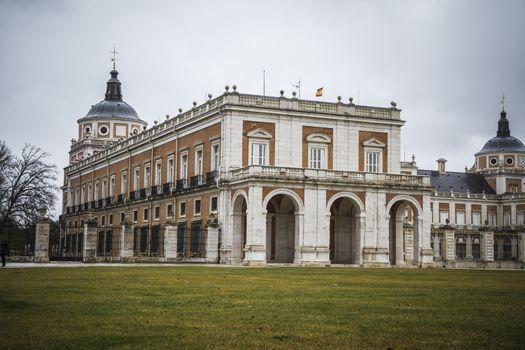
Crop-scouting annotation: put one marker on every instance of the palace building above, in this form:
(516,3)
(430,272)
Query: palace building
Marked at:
(254,180)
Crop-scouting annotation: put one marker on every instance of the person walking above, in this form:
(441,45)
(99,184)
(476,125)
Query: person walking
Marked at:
(3,251)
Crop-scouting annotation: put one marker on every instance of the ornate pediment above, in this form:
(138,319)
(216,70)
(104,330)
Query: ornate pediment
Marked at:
(319,138)
(373,142)
(260,134)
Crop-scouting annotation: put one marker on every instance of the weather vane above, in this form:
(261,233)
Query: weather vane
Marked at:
(502,101)
(114,58)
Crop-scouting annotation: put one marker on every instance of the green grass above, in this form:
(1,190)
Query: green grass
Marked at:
(260,308)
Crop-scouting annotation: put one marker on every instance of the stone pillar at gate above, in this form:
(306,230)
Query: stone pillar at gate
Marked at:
(437,248)
(42,239)
(126,238)
(90,240)
(212,244)
(170,241)
(487,246)
(450,244)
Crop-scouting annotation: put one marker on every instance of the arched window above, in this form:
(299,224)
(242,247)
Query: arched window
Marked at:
(476,248)
(461,248)
(507,249)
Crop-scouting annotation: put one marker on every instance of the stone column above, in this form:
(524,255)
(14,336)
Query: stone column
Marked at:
(212,245)
(469,248)
(408,233)
(127,240)
(487,246)
(450,245)
(500,248)
(255,249)
(170,242)
(42,240)
(90,241)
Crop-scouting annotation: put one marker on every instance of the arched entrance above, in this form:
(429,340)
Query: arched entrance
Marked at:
(239,229)
(404,229)
(281,228)
(345,247)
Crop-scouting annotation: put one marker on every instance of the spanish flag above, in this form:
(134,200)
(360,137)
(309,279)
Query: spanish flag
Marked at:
(319,92)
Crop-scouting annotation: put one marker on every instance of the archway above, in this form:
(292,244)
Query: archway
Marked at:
(239,228)
(404,231)
(281,228)
(345,247)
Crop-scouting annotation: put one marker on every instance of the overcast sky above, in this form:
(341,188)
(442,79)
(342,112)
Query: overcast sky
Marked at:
(445,63)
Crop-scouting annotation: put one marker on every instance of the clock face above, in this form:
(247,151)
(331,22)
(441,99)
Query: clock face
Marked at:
(522,161)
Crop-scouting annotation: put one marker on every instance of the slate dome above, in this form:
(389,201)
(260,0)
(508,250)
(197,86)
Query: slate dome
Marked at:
(112,107)
(503,142)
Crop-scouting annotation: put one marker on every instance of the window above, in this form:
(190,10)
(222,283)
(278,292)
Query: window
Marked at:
(146,175)
(103,220)
(124,183)
(318,157)
(373,152)
(373,161)
(476,218)
(491,217)
(215,157)
(198,161)
(461,248)
(146,214)
(182,209)
(136,179)
(157,213)
(443,216)
(258,147)
(111,219)
(169,210)
(460,218)
(520,218)
(507,249)
(104,187)
(77,196)
(82,194)
(158,170)
(476,248)
(89,193)
(258,153)
(122,217)
(95,195)
(197,207)
(103,130)
(506,219)
(112,186)
(135,215)
(184,166)
(213,204)
(170,169)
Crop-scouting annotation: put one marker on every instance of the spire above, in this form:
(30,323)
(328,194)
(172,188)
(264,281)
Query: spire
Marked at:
(503,123)
(113,92)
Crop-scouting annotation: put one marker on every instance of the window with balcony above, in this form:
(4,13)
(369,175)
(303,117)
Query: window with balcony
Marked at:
(136,179)
(492,219)
(215,157)
(158,173)
(184,166)
(476,218)
(443,216)
(318,150)
(104,187)
(198,161)
(259,147)
(506,219)
(147,175)
(124,183)
(171,169)
(460,218)
(95,195)
(89,193)
(373,149)
(112,186)
(520,219)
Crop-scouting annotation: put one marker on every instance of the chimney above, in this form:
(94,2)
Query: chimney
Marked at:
(441,165)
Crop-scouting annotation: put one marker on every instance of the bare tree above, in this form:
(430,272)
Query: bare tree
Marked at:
(29,186)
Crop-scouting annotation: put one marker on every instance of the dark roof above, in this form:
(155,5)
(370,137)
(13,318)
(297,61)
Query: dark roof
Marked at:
(457,182)
(112,106)
(503,142)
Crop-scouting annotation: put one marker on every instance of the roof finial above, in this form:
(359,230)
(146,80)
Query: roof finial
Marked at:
(114,58)
(502,102)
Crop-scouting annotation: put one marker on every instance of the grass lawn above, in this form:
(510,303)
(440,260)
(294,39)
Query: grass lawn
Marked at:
(260,308)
